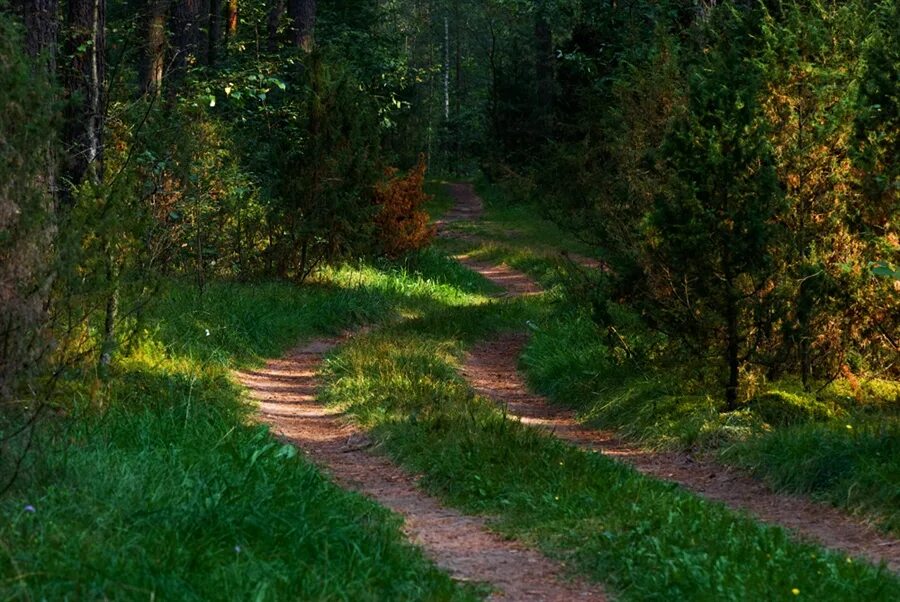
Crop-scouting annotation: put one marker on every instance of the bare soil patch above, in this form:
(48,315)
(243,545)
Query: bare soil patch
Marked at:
(462,545)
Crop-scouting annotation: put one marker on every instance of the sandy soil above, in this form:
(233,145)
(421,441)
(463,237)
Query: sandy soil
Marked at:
(462,545)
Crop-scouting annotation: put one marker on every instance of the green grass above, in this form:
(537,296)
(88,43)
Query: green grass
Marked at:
(645,538)
(162,486)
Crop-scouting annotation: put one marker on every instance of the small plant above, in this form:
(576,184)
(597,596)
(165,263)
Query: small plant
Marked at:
(402,223)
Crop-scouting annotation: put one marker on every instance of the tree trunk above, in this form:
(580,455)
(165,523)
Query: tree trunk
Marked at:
(185,35)
(86,47)
(154,60)
(27,221)
(232,21)
(274,19)
(543,38)
(40,20)
(303,23)
(215,31)
(86,22)
(446,68)
(732,353)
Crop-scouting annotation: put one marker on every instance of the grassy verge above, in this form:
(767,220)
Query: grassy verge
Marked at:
(160,485)
(840,445)
(647,539)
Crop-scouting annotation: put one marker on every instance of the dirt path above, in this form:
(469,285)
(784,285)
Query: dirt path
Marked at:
(491,368)
(461,545)
(467,207)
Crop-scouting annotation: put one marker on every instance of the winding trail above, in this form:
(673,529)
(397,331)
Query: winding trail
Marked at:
(462,545)
(491,369)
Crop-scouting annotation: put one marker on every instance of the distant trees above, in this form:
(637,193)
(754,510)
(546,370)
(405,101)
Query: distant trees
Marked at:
(736,163)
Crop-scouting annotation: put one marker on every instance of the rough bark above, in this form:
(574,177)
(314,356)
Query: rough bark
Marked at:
(40,20)
(27,188)
(186,18)
(303,23)
(154,53)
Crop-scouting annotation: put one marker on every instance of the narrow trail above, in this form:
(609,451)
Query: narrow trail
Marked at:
(491,369)
(462,545)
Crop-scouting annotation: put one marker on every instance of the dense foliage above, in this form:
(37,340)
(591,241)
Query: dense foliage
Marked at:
(737,167)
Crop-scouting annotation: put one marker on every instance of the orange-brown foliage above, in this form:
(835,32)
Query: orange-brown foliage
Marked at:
(402,225)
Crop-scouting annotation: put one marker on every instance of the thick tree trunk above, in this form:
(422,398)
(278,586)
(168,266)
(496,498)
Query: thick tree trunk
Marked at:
(275,14)
(186,17)
(27,219)
(303,23)
(40,20)
(154,60)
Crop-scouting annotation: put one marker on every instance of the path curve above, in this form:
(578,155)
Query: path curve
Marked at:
(462,545)
(491,369)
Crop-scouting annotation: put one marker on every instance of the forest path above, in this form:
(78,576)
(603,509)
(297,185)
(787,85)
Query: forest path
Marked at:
(491,369)
(464,546)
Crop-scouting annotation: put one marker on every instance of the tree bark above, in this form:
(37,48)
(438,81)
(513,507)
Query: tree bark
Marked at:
(274,19)
(186,17)
(303,23)
(40,20)
(154,56)
(233,18)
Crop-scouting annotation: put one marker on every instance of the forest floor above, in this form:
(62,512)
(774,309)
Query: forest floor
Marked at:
(365,449)
(444,477)
(462,545)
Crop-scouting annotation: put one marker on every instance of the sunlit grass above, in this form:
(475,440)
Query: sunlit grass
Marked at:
(162,485)
(645,538)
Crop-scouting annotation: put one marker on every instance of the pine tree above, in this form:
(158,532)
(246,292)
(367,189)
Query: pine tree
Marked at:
(709,236)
